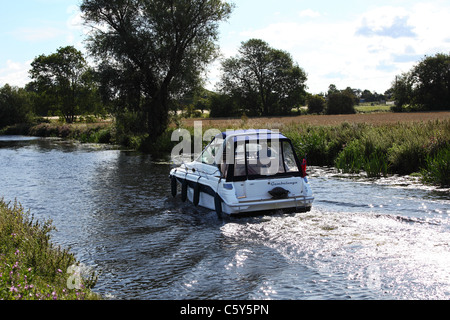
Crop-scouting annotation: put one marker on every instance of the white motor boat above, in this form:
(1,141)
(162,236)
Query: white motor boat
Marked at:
(243,172)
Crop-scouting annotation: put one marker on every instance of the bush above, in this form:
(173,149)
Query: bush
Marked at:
(350,160)
(363,155)
(103,136)
(340,103)
(44,130)
(316,104)
(223,106)
(377,150)
(406,157)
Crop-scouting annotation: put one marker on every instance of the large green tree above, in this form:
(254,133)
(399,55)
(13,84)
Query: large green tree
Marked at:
(264,80)
(426,86)
(64,82)
(152,51)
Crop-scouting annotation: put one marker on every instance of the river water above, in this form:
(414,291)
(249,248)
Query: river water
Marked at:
(364,239)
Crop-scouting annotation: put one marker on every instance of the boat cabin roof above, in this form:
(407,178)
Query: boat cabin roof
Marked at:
(251,135)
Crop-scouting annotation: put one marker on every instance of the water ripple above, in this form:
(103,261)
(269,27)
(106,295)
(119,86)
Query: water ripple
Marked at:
(364,239)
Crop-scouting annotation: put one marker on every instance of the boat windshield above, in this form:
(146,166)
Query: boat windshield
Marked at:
(209,155)
(262,159)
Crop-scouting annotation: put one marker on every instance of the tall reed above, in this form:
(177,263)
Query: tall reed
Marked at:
(437,169)
(377,150)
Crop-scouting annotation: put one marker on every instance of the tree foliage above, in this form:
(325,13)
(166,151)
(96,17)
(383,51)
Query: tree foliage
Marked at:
(341,102)
(316,103)
(152,51)
(223,105)
(15,106)
(369,96)
(64,82)
(426,86)
(262,80)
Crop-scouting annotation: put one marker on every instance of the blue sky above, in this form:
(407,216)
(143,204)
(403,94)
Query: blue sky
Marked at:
(361,44)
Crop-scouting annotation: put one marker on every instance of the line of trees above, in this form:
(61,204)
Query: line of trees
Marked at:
(62,85)
(15,106)
(151,57)
(336,101)
(251,81)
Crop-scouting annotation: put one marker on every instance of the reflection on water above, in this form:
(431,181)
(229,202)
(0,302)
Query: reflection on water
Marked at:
(364,239)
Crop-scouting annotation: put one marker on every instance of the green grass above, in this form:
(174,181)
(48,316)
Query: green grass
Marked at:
(378,150)
(437,169)
(86,133)
(369,108)
(31,267)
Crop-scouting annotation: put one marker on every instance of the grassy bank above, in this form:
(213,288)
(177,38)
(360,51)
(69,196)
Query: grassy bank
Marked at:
(31,268)
(379,150)
(83,132)
(98,132)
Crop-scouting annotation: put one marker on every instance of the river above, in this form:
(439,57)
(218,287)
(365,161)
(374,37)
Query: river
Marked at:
(364,239)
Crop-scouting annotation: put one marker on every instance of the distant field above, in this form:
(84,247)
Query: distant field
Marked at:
(278,122)
(375,108)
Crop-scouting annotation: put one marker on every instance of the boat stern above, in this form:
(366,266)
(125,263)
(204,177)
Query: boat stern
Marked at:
(258,196)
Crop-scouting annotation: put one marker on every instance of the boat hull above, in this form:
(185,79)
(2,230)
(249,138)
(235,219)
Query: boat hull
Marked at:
(240,198)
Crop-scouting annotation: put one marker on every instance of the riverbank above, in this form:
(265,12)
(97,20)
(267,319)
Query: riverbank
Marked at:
(421,148)
(31,267)
(376,144)
(98,131)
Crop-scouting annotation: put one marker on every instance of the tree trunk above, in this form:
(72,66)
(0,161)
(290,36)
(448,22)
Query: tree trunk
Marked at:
(157,117)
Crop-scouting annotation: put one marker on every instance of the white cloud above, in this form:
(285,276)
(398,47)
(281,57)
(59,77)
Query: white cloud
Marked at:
(366,52)
(15,73)
(379,18)
(75,21)
(398,29)
(76,30)
(432,25)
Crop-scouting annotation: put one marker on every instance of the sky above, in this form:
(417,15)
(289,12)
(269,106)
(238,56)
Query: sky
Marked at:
(350,43)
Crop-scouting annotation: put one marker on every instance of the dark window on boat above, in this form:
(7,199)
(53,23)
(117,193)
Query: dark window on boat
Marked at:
(239,161)
(263,159)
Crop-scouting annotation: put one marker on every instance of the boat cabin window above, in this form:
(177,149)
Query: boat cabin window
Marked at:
(290,163)
(261,159)
(208,156)
(239,162)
